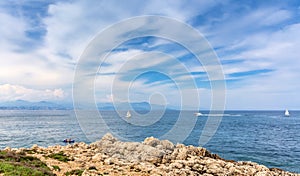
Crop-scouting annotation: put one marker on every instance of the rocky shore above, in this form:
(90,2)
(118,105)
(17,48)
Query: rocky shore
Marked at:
(109,156)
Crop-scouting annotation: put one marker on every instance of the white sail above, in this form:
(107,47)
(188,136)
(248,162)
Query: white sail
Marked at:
(128,115)
(286,113)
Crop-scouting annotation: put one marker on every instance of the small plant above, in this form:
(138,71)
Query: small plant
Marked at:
(75,172)
(2,152)
(59,156)
(57,168)
(29,151)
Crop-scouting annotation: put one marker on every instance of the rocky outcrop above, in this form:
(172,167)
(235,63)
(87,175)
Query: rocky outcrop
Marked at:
(129,151)
(109,156)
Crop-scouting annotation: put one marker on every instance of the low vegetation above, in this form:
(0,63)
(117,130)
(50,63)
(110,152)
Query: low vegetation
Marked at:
(57,168)
(75,172)
(59,156)
(12,164)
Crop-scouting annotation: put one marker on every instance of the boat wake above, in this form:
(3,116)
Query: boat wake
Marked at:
(224,115)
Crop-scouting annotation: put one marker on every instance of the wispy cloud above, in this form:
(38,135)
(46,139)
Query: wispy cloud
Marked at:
(257,43)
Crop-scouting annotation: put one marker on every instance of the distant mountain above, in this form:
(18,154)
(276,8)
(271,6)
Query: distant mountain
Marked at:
(44,105)
(140,106)
(41,105)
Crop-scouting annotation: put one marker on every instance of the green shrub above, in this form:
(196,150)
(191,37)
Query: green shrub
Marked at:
(59,156)
(57,168)
(12,164)
(75,172)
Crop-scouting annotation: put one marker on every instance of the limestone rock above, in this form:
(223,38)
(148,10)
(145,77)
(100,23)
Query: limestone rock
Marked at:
(109,156)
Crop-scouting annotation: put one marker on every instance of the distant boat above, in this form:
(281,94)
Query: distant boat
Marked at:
(128,115)
(198,114)
(286,113)
(68,141)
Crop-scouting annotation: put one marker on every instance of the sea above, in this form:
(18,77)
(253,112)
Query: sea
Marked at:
(265,137)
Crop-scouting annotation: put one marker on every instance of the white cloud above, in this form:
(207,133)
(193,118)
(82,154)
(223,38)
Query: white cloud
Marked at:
(278,89)
(10,92)
(276,17)
(255,37)
(70,26)
(127,66)
(33,71)
(12,31)
(25,66)
(280,51)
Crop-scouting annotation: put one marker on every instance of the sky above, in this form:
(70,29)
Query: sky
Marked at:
(257,44)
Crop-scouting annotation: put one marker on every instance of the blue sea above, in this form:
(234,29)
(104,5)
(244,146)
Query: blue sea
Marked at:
(265,137)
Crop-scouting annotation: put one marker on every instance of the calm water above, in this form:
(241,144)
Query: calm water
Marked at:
(265,137)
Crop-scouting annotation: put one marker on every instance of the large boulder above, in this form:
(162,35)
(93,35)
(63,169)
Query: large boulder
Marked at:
(130,151)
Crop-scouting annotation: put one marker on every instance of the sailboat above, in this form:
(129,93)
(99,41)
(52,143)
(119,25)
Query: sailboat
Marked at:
(128,115)
(286,113)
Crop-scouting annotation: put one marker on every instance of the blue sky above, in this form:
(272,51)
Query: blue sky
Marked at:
(257,43)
